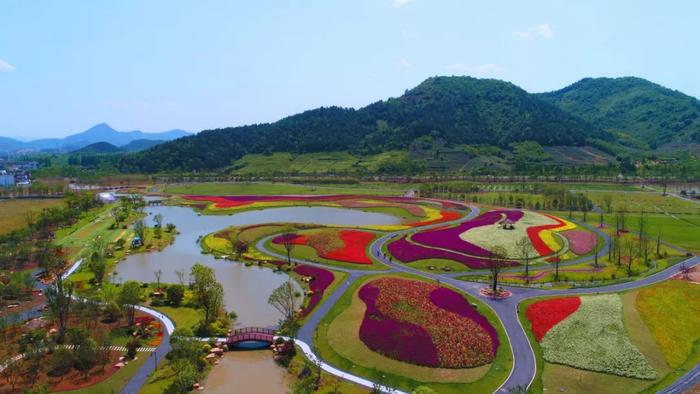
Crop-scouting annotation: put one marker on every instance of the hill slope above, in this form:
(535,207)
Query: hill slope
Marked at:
(633,108)
(456,110)
(98,147)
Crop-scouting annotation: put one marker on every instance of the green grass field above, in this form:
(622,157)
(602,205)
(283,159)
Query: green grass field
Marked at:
(13,213)
(116,382)
(313,163)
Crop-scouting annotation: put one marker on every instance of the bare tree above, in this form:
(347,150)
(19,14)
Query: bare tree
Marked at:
(180,276)
(496,264)
(284,300)
(525,252)
(288,239)
(607,201)
(158,273)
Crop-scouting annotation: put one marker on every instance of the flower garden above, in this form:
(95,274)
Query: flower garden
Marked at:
(470,243)
(344,245)
(637,341)
(319,280)
(423,324)
(414,332)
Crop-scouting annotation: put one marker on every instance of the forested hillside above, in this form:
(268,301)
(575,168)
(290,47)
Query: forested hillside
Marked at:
(634,109)
(456,110)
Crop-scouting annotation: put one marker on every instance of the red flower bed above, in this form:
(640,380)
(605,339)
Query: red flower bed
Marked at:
(445,216)
(546,314)
(420,323)
(354,247)
(354,244)
(580,242)
(320,282)
(533,233)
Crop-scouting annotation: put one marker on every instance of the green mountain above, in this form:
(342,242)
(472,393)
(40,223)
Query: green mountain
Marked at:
(636,111)
(98,147)
(452,110)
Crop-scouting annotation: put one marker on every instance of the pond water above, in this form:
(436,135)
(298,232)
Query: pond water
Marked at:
(246,289)
(252,371)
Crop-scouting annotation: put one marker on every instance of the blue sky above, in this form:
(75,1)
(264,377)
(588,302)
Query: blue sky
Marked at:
(157,65)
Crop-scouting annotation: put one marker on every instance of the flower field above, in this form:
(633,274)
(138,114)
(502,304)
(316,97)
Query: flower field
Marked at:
(319,282)
(544,315)
(671,310)
(580,242)
(341,245)
(594,338)
(449,238)
(408,252)
(542,237)
(419,323)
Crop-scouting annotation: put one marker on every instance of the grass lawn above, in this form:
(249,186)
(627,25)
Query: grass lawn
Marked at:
(116,382)
(264,188)
(182,316)
(13,213)
(159,380)
(403,375)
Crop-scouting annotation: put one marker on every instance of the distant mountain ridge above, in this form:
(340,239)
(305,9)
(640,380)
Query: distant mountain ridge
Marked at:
(99,133)
(456,110)
(636,111)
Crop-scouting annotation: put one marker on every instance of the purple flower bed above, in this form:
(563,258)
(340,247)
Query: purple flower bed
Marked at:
(320,282)
(580,242)
(454,302)
(395,339)
(448,238)
(408,252)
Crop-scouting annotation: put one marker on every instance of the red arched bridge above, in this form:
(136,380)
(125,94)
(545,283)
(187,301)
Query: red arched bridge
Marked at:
(259,334)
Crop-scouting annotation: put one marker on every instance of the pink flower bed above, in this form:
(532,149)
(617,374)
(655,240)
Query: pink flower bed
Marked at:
(580,242)
(320,282)
(408,252)
(448,238)
(420,323)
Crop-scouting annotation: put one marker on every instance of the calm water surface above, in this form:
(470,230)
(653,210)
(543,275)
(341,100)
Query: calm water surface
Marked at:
(245,372)
(246,289)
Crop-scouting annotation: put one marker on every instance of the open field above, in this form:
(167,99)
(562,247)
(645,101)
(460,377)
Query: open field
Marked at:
(262,188)
(314,163)
(13,213)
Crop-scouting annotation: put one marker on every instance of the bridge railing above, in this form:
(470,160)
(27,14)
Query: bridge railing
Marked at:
(257,330)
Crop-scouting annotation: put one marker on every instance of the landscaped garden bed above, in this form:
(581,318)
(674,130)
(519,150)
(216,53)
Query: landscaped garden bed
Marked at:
(409,252)
(593,337)
(344,245)
(423,324)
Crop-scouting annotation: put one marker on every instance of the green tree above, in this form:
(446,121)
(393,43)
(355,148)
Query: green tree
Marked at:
(86,356)
(129,297)
(58,299)
(61,362)
(175,294)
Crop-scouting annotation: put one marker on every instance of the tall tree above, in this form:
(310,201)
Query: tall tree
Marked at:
(284,300)
(525,252)
(497,262)
(58,299)
(288,241)
(129,297)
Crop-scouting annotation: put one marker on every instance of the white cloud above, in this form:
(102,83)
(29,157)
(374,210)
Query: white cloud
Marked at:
(400,3)
(481,70)
(542,30)
(402,64)
(5,66)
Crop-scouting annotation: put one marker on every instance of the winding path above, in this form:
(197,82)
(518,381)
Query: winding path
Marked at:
(524,367)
